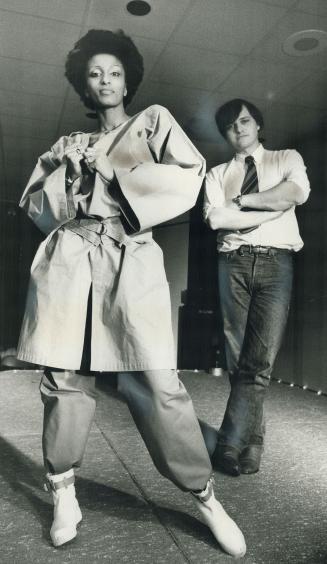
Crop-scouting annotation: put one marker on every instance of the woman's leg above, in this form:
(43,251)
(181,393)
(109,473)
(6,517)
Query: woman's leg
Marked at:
(164,414)
(69,404)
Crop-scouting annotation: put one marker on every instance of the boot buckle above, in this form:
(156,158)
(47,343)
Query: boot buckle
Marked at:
(54,486)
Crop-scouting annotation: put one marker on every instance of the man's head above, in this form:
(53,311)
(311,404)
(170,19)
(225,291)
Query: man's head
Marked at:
(239,122)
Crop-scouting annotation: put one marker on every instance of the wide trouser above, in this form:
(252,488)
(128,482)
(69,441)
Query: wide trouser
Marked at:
(160,406)
(255,292)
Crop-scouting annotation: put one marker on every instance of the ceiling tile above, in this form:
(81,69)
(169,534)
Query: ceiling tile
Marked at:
(191,67)
(29,105)
(68,125)
(26,127)
(158,24)
(183,106)
(24,150)
(257,79)
(203,129)
(270,49)
(214,153)
(313,6)
(35,39)
(2,164)
(280,139)
(150,51)
(68,11)
(283,3)
(296,119)
(17,178)
(37,78)
(233,26)
(311,93)
(74,112)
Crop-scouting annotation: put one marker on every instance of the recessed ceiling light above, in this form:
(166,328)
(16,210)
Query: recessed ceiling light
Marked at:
(305,42)
(138,7)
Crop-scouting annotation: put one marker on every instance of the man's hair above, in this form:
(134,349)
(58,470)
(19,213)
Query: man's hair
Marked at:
(98,41)
(229,112)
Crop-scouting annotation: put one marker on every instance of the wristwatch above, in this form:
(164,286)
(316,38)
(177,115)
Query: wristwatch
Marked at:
(237,201)
(69,181)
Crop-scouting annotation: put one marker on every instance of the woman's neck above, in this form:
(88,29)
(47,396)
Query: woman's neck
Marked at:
(110,118)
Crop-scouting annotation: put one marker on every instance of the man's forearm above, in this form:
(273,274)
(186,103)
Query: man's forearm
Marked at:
(234,219)
(279,198)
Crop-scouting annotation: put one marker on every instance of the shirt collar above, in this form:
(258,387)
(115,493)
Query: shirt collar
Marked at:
(257,155)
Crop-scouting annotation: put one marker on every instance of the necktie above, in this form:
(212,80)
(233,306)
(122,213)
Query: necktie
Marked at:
(250,185)
(250,182)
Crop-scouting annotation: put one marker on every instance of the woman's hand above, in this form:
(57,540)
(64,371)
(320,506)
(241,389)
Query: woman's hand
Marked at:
(97,159)
(74,154)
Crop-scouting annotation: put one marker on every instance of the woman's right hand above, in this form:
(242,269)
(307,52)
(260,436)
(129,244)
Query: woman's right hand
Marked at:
(74,154)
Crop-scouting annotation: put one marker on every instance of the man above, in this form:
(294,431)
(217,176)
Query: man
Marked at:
(251,201)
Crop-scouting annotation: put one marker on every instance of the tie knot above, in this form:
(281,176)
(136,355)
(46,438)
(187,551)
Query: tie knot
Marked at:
(249,160)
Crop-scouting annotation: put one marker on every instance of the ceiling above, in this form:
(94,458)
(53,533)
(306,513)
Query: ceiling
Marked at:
(198,54)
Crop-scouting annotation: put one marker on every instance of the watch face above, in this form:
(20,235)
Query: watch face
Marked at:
(237,201)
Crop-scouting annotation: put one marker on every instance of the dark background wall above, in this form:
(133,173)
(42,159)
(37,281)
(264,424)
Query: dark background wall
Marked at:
(303,358)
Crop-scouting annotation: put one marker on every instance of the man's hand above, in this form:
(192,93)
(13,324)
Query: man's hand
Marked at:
(231,205)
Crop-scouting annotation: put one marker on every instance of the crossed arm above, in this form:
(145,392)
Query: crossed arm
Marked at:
(266,206)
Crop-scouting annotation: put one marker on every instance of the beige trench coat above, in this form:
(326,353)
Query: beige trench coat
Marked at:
(158,176)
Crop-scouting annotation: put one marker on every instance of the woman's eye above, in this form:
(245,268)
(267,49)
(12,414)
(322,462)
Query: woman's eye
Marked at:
(115,73)
(94,74)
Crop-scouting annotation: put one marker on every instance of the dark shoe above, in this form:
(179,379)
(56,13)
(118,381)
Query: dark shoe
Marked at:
(226,458)
(250,459)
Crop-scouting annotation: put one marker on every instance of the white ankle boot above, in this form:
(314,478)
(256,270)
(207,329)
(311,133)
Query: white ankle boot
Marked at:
(225,530)
(66,512)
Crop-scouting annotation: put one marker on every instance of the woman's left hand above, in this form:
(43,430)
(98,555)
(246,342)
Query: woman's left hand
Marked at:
(97,159)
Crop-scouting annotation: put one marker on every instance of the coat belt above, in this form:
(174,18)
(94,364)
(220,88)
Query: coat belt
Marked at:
(93,230)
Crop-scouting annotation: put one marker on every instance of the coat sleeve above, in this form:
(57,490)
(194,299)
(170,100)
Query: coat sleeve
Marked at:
(45,199)
(166,185)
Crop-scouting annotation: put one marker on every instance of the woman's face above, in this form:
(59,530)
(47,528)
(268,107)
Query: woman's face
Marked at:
(105,81)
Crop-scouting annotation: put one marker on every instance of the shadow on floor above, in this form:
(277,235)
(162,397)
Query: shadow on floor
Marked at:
(25,479)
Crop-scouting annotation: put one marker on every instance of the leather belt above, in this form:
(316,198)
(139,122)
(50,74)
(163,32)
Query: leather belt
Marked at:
(258,250)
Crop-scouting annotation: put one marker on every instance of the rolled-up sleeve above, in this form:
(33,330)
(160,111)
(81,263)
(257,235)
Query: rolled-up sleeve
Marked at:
(45,199)
(295,171)
(213,192)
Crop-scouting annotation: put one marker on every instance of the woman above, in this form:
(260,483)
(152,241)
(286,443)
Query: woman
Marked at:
(98,296)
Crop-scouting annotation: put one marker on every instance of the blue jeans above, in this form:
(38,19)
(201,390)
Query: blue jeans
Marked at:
(255,292)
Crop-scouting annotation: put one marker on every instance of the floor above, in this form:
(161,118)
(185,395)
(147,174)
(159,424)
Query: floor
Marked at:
(133,515)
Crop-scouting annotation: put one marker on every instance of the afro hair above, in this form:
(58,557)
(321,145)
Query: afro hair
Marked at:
(115,43)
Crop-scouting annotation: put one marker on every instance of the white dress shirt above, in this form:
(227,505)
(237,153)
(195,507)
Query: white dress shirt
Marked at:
(223,182)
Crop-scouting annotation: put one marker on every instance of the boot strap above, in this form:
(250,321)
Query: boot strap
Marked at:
(204,495)
(64,483)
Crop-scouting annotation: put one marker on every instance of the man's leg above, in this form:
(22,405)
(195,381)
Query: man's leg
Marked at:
(266,326)
(234,277)
(268,311)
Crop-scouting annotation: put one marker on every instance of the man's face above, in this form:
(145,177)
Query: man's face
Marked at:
(242,134)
